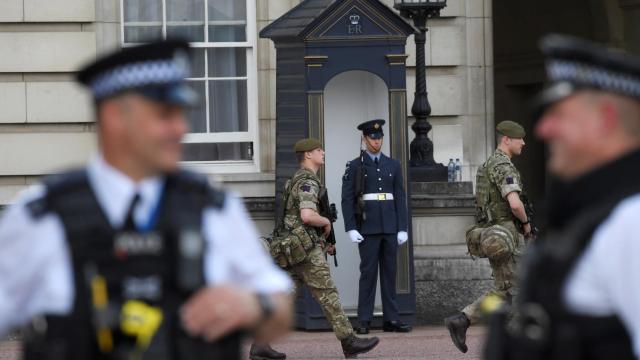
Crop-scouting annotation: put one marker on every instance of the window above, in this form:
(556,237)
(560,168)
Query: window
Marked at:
(223,130)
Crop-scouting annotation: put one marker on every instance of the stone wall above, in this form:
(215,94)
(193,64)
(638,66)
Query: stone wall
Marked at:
(46,122)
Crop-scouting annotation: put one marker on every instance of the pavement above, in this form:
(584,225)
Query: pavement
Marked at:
(431,342)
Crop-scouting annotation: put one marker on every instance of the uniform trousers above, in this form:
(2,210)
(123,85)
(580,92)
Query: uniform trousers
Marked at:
(315,274)
(378,250)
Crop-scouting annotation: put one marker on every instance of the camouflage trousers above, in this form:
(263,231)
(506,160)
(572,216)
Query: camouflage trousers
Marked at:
(314,273)
(505,281)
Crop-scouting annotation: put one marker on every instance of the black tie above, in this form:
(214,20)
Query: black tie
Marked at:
(376,161)
(129,223)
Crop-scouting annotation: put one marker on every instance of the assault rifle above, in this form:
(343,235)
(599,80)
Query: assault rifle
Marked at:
(528,209)
(330,212)
(360,214)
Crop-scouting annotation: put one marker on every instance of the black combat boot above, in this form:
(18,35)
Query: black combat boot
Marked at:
(353,345)
(396,326)
(457,326)
(265,352)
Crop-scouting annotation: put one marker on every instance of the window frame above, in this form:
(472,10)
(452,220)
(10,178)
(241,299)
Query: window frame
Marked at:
(252,133)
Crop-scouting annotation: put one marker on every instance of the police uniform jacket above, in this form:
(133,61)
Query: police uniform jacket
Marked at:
(36,275)
(381,216)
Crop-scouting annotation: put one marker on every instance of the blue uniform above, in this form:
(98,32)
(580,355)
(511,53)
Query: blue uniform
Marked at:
(383,220)
(382,217)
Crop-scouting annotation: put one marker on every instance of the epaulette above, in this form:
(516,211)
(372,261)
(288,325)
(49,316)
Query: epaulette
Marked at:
(56,185)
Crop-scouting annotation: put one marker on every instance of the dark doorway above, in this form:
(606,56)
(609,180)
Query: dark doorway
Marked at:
(519,66)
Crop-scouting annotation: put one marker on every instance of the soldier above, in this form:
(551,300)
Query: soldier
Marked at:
(301,251)
(579,296)
(131,257)
(374,205)
(501,222)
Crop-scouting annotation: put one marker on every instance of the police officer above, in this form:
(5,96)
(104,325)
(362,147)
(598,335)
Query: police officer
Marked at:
(501,223)
(301,253)
(374,206)
(130,257)
(579,296)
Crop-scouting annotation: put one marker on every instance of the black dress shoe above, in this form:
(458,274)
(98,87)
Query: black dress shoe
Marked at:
(396,326)
(457,326)
(265,352)
(353,345)
(363,329)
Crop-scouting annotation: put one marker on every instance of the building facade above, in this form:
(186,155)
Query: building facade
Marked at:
(482,66)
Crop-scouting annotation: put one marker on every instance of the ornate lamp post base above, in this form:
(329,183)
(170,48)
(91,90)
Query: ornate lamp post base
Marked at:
(423,167)
(436,173)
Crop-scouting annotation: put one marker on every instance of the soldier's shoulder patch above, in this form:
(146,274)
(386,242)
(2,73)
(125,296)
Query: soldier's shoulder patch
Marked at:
(510,180)
(305,188)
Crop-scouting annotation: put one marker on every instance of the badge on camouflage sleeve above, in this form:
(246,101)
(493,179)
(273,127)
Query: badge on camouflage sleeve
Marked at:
(509,180)
(305,188)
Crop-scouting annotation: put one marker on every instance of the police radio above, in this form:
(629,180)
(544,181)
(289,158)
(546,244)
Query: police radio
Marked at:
(190,263)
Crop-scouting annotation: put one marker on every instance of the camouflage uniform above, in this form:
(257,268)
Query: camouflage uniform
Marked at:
(314,270)
(499,239)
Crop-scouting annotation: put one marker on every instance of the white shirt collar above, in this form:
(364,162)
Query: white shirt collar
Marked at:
(115,191)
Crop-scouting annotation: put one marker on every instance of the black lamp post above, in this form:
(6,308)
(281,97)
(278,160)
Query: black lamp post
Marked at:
(423,167)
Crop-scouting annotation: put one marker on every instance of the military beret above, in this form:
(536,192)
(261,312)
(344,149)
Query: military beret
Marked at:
(155,70)
(575,64)
(308,144)
(511,129)
(372,128)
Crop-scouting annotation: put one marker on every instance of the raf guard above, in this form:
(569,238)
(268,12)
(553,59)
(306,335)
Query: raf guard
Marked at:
(129,257)
(502,224)
(374,206)
(579,295)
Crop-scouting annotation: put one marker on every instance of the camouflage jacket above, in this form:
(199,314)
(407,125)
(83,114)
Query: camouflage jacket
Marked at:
(304,189)
(496,178)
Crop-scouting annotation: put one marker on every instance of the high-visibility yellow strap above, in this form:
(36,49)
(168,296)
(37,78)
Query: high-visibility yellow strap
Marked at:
(100,300)
(99,292)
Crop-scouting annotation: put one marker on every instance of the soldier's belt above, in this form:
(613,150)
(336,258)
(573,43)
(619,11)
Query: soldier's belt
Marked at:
(377,197)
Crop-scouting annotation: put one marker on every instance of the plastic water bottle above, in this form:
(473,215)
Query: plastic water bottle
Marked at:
(458,170)
(451,170)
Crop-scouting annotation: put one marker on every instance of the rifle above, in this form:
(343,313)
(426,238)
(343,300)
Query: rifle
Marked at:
(360,214)
(330,212)
(528,209)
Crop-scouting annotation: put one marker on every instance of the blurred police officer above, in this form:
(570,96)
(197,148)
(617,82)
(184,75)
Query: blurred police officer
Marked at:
(501,223)
(580,294)
(130,257)
(302,251)
(374,206)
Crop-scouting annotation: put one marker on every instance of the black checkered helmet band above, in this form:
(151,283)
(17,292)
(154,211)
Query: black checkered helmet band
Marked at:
(141,74)
(593,76)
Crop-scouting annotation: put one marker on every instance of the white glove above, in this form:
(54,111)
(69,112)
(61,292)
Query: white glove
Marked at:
(402,237)
(355,236)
